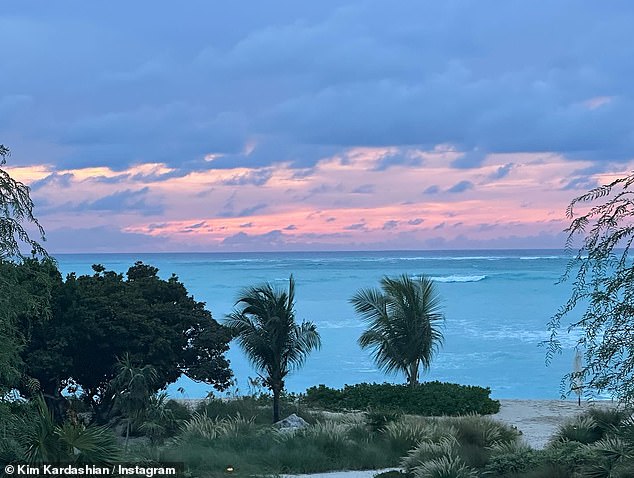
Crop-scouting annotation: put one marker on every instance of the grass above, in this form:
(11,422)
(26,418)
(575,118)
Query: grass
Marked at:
(238,434)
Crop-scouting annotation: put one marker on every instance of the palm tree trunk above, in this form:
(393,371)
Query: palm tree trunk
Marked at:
(413,374)
(276,404)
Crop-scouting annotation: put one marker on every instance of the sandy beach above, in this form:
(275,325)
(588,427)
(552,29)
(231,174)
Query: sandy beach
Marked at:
(538,419)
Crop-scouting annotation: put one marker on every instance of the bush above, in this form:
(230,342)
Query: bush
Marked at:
(430,398)
(581,429)
(377,420)
(510,459)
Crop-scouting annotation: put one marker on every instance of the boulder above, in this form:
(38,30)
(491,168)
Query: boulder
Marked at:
(292,422)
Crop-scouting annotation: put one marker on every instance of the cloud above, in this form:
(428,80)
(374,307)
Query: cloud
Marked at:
(502,171)
(101,239)
(271,239)
(247,211)
(460,187)
(56,179)
(389,225)
(500,79)
(364,189)
(434,189)
(415,222)
(257,177)
(399,158)
(582,183)
(121,202)
(356,226)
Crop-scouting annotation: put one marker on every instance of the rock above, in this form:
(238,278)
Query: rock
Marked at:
(292,422)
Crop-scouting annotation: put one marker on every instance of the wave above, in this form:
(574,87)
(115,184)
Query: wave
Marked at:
(456,278)
(535,258)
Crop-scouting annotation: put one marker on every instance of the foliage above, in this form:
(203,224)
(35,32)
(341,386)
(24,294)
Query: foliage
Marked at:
(378,419)
(16,208)
(207,445)
(429,398)
(602,273)
(98,318)
(41,440)
(459,446)
(444,467)
(403,318)
(510,459)
(26,289)
(256,408)
(132,390)
(264,326)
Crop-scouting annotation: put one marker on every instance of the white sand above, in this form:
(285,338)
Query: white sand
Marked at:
(538,419)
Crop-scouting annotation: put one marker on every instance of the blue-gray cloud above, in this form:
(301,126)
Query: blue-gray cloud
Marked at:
(364,189)
(302,81)
(460,187)
(121,201)
(502,171)
(61,180)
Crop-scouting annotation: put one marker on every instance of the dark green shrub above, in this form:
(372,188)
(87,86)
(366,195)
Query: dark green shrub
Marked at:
(568,456)
(377,419)
(510,460)
(429,398)
(581,429)
(178,410)
(607,419)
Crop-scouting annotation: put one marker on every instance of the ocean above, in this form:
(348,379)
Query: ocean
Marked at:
(497,305)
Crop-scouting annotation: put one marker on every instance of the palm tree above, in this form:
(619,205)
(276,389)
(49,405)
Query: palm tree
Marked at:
(264,325)
(403,318)
(133,388)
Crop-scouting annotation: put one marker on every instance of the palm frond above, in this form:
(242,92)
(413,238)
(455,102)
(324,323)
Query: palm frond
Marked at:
(404,319)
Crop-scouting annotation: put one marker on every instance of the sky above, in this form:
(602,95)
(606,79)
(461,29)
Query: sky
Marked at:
(152,126)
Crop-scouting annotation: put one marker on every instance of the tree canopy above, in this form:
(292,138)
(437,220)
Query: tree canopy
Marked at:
(101,318)
(602,274)
(403,318)
(16,210)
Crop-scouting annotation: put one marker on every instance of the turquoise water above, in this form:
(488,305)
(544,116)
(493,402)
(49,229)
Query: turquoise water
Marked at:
(497,305)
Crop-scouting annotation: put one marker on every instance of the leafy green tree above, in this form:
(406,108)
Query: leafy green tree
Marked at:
(265,327)
(98,318)
(16,208)
(26,289)
(403,318)
(600,237)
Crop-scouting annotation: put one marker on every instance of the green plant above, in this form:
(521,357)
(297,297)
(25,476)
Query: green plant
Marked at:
(444,467)
(483,432)
(378,419)
(45,442)
(132,389)
(602,272)
(510,459)
(582,429)
(264,325)
(428,450)
(403,318)
(430,398)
